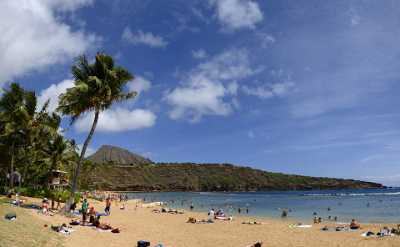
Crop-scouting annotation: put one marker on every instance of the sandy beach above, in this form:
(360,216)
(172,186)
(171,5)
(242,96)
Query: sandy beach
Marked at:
(171,230)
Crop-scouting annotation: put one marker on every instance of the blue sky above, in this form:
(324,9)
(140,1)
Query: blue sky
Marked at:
(305,87)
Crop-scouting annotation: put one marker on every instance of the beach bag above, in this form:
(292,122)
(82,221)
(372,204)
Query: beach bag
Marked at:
(143,243)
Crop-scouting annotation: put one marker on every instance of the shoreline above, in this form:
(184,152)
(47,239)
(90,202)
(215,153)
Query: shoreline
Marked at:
(249,191)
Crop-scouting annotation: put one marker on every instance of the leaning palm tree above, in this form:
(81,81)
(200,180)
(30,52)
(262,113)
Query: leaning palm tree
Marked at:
(97,87)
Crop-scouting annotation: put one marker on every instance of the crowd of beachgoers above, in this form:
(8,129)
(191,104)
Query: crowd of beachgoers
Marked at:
(96,210)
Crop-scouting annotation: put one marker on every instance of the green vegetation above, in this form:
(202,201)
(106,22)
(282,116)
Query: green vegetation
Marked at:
(97,87)
(26,231)
(207,177)
(31,145)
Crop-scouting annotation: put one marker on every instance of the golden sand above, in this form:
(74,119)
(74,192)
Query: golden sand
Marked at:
(172,231)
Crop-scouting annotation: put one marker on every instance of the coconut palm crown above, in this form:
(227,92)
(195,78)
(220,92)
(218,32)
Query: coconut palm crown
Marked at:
(97,86)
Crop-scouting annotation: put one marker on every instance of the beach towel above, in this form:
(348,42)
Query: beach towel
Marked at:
(367,234)
(223,218)
(101,230)
(66,231)
(299,226)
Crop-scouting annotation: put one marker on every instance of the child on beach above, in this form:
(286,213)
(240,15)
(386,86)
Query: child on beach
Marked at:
(92,215)
(45,206)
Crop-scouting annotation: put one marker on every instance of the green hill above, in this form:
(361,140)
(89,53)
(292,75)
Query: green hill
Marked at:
(204,177)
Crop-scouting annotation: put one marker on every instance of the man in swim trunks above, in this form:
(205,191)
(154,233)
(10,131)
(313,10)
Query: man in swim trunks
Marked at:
(108,205)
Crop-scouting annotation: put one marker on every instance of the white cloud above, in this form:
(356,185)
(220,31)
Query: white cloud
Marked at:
(266,39)
(355,18)
(139,84)
(251,134)
(237,14)
(232,88)
(208,88)
(51,93)
(199,54)
(269,91)
(34,37)
(89,150)
(141,37)
(116,120)
(67,5)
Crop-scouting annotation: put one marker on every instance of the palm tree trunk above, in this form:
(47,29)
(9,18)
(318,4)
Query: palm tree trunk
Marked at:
(12,166)
(81,157)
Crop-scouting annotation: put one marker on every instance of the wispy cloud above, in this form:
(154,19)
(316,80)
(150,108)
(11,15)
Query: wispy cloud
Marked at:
(251,134)
(269,90)
(145,38)
(199,54)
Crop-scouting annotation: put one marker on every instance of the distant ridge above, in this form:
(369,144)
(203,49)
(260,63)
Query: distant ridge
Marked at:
(126,171)
(108,154)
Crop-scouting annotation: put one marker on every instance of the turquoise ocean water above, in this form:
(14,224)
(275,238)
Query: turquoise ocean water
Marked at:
(367,205)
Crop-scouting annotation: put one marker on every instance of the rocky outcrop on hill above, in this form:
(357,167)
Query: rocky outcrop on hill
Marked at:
(108,154)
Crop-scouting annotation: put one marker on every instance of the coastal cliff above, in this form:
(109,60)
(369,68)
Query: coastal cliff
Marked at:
(118,169)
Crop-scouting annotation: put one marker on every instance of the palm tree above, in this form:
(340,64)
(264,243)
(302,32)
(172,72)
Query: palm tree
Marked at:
(41,138)
(17,110)
(97,87)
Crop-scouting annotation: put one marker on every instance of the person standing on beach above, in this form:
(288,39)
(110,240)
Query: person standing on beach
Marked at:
(108,206)
(211,214)
(85,206)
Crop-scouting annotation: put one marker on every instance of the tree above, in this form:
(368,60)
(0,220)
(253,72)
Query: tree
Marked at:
(17,110)
(97,87)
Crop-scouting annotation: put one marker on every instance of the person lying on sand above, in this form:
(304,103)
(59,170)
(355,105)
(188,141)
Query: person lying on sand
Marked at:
(252,223)
(104,226)
(258,244)
(191,220)
(354,225)
(168,210)
(75,223)
(195,221)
